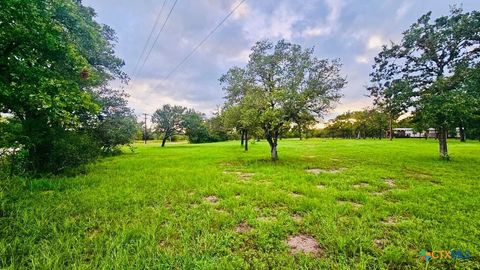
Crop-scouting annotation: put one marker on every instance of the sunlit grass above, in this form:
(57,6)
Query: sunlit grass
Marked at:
(372,204)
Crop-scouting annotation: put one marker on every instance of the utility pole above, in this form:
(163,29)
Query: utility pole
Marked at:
(145,130)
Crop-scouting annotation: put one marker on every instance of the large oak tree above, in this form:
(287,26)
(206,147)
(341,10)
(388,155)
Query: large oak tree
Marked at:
(432,58)
(283,82)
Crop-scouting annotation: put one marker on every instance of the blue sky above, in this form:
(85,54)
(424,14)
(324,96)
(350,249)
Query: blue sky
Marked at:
(351,30)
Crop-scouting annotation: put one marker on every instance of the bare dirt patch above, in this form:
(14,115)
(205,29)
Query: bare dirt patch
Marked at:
(319,171)
(241,175)
(93,232)
(297,218)
(361,185)
(211,199)
(303,243)
(389,182)
(380,243)
(379,193)
(243,228)
(353,204)
(267,219)
(296,194)
(391,220)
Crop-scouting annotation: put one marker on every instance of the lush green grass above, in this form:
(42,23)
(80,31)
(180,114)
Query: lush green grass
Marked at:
(147,209)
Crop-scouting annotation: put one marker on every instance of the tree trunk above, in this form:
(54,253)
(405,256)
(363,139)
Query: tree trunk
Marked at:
(246,140)
(442,142)
(242,137)
(272,141)
(273,151)
(163,141)
(390,128)
(463,137)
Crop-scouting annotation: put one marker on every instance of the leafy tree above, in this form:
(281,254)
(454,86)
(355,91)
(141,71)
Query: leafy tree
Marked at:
(168,120)
(117,123)
(389,91)
(283,82)
(368,123)
(236,83)
(52,55)
(431,58)
(195,129)
(216,128)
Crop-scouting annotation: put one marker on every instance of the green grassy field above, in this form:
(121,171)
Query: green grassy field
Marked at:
(376,204)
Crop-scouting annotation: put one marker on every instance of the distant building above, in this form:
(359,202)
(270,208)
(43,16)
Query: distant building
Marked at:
(411,133)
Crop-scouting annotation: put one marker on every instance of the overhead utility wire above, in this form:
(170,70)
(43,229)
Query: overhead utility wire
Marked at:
(154,26)
(203,40)
(158,35)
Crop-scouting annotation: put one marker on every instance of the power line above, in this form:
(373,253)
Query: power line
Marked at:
(154,26)
(203,40)
(158,35)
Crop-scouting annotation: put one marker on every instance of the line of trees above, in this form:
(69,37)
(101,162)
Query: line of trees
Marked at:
(171,120)
(55,65)
(368,123)
(434,72)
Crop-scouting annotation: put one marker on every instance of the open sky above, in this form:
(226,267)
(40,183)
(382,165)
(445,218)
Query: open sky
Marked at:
(351,30)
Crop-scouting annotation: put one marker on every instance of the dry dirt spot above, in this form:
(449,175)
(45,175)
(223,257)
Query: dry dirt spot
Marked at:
(296,194)
(361,185)
(391,220)
(211,199)
(267,219)
(242,175)
(221,211)
(194,205)
(353,204)
(319,171)
(303,243)
(93,232)
(243,228)
(389,182)
(379,243)
(310,156)
(379,193)
(320,186)
(297,218)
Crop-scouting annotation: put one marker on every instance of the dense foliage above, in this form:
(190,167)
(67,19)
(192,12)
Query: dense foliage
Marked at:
(55,62)
(281,85)
(432,70)
(369,123)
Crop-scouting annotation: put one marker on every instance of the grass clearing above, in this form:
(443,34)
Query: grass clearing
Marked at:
(213,206)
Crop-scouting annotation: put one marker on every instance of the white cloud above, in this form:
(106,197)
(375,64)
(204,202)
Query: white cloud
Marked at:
(375,42)
(404,8)
(276,24)
(316,31)
(147,95)
(362,59)
(242,11)
(241,57)
(331,22)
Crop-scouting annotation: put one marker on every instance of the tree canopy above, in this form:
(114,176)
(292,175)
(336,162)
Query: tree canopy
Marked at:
(280,84)
(427,71)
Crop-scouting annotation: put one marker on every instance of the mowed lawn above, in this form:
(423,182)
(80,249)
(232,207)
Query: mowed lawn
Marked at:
(367,203)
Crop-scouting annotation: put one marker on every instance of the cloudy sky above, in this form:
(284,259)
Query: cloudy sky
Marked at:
(351,30)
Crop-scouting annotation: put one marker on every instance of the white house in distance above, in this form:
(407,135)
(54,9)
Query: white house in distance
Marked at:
(411,133)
